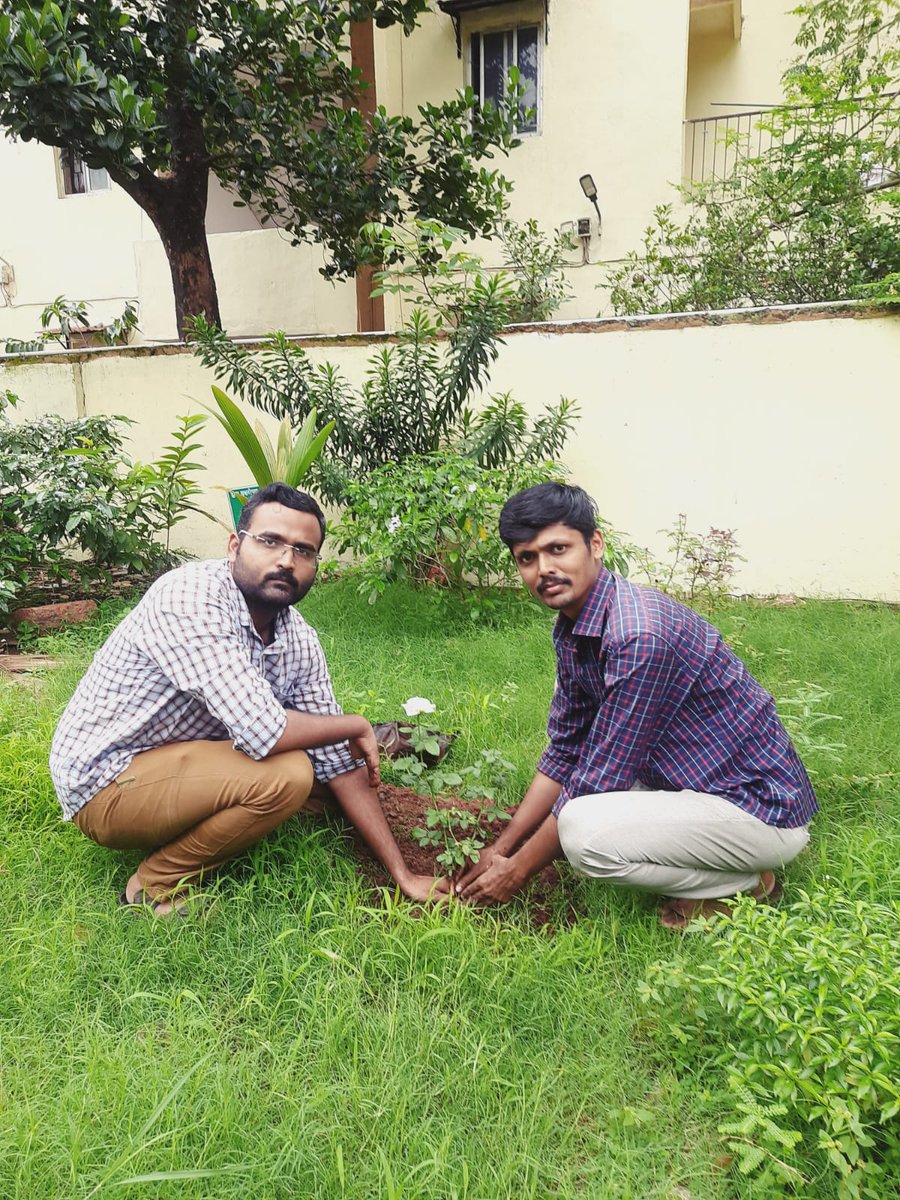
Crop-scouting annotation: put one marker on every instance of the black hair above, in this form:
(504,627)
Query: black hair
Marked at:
(281,493)
(528,512)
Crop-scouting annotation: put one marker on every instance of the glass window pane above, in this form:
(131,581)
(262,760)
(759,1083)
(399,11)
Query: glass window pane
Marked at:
(476,65)
(98,179)
(65,166)
(78,182)
(528,75)
(494,55)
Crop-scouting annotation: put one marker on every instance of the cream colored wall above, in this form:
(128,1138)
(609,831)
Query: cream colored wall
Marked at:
(78,246)
(100,247)
(728,75)
(263,282)
(784,432)
(612,104)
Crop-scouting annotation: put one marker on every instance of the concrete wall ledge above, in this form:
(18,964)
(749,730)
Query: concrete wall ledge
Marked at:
(773,314)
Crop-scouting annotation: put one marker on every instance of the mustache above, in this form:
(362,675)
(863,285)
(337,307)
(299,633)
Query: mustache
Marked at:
(555,582)
(280,577)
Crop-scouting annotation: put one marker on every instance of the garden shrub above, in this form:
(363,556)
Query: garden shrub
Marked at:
(71,499)
(431,520)
(801,1007)
(415,399)
(421,393)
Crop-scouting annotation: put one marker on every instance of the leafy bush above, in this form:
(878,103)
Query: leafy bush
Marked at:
(802,1007)
(811,216)
(418,395)
(428,265)
(73,321)
(70,498)
(432,521)
(415,398)
(536,266)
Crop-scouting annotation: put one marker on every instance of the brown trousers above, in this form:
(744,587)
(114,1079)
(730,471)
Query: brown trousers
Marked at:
(194,805)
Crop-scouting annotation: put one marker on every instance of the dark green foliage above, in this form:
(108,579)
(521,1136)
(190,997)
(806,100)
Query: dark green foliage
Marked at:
(72,499)
(415,399)
(804,1006)
(261,95)
(431,521)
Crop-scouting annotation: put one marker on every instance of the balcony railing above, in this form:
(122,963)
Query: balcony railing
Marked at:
(713,146)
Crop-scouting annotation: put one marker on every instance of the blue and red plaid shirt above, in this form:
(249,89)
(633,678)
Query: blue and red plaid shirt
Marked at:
(647,692)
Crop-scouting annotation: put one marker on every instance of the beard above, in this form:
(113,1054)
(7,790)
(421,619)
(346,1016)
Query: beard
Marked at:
(275,590)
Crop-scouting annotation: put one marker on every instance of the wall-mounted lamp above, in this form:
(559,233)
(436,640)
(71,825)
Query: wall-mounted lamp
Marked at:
(590,190)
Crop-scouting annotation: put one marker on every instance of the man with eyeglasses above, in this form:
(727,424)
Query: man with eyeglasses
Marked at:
(207,718)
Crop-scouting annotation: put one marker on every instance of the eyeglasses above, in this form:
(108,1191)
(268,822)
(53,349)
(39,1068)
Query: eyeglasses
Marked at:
(304,553)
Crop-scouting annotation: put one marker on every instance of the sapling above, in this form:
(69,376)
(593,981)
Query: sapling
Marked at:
(459,832)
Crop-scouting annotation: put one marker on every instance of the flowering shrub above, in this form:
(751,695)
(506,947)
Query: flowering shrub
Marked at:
(432,521)
(701,568)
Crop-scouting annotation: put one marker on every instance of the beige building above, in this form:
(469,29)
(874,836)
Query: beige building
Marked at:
(635,96)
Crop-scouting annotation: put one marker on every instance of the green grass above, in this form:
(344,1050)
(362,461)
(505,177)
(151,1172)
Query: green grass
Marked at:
(304,1039)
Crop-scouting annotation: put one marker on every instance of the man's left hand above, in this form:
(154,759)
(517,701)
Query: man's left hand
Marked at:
(499,883)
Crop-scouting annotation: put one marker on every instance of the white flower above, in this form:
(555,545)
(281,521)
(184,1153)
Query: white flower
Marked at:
(416,705)
(393,524)
(473,487)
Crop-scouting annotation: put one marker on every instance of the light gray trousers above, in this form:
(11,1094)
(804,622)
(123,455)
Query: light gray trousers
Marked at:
(685,844)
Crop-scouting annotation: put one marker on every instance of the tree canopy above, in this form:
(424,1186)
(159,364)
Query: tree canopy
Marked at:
(263,96)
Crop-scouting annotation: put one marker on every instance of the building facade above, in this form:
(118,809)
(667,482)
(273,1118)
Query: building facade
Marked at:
(638,97)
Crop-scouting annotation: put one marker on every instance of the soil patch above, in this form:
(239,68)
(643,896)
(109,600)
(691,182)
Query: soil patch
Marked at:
(549,904)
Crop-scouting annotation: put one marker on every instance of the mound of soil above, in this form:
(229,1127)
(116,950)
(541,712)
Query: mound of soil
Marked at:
(548,904)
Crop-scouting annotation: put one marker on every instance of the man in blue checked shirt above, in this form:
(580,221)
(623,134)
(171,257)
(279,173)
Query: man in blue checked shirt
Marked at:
(668,769)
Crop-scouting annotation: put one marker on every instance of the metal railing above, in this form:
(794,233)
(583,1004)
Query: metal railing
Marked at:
(713,146)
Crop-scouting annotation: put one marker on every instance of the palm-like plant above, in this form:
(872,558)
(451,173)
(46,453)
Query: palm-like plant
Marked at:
(289,461)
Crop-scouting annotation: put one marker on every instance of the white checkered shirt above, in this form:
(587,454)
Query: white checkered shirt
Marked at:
(187,663)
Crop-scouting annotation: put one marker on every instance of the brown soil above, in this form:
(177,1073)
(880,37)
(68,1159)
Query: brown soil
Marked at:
(548,902)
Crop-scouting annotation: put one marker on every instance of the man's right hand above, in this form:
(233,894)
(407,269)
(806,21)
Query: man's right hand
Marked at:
(365,746)
(484,860)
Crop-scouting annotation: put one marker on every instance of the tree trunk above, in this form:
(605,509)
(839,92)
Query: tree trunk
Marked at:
(176,204)
(182,229)
(369,308)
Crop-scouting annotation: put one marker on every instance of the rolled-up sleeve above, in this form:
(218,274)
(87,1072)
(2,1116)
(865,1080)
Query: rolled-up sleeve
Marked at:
(312,692)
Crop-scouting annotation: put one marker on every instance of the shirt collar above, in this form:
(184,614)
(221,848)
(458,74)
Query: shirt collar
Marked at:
(592,618)
(243,612)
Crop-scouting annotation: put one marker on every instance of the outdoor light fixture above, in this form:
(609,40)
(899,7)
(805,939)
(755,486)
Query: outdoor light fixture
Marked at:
(590,190)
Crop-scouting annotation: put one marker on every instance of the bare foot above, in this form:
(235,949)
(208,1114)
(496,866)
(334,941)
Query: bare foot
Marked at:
(678,914)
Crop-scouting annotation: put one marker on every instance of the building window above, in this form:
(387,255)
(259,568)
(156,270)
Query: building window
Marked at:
(492,55)
(76,177)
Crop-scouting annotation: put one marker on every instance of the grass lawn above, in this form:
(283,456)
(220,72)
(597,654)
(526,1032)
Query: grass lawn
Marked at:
(304,1039)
